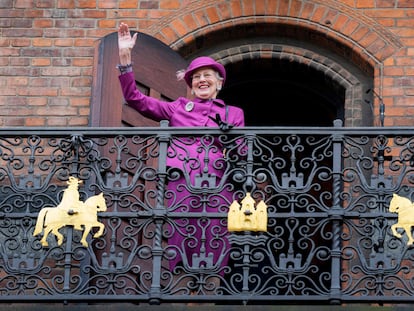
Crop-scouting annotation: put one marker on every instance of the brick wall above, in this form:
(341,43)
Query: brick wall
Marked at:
(47,47)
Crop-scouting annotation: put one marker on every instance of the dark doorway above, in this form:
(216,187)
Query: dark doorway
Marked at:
(279,93)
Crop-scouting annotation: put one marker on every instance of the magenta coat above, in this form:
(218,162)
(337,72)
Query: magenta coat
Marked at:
(179,114)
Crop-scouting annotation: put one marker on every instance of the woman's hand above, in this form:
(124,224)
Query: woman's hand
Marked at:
(125,44)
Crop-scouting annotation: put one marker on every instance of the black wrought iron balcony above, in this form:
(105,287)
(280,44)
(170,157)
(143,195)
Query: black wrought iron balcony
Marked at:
(287,215)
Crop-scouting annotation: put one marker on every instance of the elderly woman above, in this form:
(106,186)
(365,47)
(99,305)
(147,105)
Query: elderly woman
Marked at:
(195,243)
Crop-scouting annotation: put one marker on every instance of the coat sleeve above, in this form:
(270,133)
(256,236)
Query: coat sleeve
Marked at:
(149,107)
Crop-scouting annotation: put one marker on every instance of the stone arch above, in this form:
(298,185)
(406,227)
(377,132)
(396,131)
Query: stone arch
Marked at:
(336,21)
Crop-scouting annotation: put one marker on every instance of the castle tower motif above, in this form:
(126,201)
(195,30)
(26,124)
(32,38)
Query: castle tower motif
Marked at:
(247,216)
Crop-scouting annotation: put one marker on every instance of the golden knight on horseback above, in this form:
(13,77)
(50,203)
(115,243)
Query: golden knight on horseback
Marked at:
(71,212)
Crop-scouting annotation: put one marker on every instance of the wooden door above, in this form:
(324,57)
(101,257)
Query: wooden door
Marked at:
(155,65)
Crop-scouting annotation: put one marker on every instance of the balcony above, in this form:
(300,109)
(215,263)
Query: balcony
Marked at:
(327,237)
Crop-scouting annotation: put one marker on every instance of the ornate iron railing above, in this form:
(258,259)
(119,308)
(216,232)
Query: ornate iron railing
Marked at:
(328,238)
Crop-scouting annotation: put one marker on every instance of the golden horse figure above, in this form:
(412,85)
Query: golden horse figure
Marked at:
(51,219)
(405,209)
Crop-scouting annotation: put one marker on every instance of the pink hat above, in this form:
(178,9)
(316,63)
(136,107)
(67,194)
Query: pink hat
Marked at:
(203,61)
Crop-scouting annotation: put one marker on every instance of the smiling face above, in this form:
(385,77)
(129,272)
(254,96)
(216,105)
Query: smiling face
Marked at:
(206,83)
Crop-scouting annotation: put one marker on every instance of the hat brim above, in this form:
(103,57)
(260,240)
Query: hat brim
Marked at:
(200,63)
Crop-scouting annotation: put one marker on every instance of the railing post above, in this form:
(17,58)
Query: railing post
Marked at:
(336,215)
(160,212)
